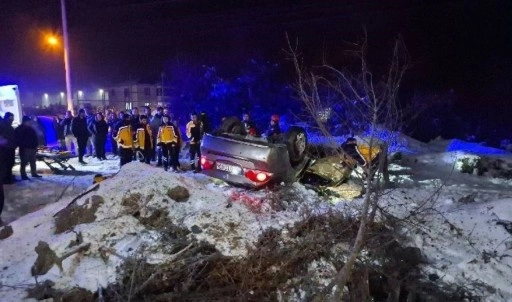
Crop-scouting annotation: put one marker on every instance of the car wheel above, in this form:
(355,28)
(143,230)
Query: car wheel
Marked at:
(296,141)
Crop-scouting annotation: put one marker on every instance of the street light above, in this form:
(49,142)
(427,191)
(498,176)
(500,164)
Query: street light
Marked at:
(61,97)
(54,41)
(46,102)
(102,96)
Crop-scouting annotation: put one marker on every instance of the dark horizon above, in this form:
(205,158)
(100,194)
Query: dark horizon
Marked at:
(454,45)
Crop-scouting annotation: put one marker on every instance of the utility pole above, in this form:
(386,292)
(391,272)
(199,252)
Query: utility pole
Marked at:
(69,94)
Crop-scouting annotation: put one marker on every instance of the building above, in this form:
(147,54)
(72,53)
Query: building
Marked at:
(130,94)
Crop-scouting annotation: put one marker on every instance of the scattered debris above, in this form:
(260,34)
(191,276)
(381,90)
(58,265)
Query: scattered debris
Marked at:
(6,232)
(178,194)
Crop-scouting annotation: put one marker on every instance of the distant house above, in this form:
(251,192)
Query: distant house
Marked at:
(130,94)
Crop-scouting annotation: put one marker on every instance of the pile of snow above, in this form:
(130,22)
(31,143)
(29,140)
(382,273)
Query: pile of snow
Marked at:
(215,214)
(457,220)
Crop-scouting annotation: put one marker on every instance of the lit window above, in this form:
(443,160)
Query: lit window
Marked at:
(128,106)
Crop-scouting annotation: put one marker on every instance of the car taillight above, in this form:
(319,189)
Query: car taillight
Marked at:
(205,163)
(257,175)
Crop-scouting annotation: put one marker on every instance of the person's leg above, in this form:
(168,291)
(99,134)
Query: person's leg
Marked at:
(172,157)
(23,163)
(2,199)
(191,156)
(31,154)
(165,156)
(125,155)
(103,147)
(198,158)
(68,139)
(10,164)
(159,156)
(82,144)
(2,194)
(115,149)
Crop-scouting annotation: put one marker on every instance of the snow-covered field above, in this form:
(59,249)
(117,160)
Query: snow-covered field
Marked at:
(457,220)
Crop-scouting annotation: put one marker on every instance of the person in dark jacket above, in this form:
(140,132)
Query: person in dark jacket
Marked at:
(274,131)
(8,153)
(89,147)
(112,123)
(206,122)
(155,123)
(26,138)
(79,128)
(59,130)
(38,126)
(249,126)
(69,138)
(99,129)
(3,166)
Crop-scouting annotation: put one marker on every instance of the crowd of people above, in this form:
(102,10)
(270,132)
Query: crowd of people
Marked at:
(150,136)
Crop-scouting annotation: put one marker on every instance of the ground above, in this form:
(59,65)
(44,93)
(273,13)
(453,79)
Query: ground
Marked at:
(459,222)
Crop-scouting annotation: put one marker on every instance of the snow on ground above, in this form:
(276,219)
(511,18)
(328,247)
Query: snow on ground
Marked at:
(26,196)
(454,218)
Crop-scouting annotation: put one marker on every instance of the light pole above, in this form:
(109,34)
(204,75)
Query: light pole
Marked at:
(69,99)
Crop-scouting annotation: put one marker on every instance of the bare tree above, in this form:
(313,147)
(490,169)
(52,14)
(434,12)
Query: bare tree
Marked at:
(371,104)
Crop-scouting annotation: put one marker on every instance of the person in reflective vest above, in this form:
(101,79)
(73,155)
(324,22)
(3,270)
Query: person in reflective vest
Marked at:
(168,139)
(124,141)
(195,134)
(144,139)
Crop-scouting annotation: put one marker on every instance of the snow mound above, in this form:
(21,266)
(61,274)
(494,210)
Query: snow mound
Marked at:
(138,193)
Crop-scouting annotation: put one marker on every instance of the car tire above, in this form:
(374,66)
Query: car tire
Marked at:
(231,125)
(296,141)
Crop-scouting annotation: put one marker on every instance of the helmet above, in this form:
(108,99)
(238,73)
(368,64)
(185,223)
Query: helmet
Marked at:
(274,118)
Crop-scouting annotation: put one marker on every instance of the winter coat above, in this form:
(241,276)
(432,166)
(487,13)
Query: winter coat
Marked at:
(26,137)
(98,128)
(8,134)
(38,126)
(273,129)
(79,127)
(155,123)
(167,134)
(195,132)
(66,124)
(124,137)
(135,123)
(59,130)
(144,137)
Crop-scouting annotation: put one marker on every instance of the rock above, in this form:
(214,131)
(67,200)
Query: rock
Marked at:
(6,232)
(178,194)
(46,258)
(195,229)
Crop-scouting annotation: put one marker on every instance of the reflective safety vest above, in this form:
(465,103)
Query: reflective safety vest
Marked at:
(167,134)
(124,137)
(140,138)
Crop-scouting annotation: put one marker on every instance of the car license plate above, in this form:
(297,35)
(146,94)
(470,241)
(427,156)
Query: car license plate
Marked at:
(228,168)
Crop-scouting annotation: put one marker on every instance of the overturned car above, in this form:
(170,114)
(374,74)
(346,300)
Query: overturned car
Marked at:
(231,155)
(239,159)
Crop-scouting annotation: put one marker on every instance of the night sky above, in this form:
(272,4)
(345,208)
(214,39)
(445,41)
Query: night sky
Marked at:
(461,45)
